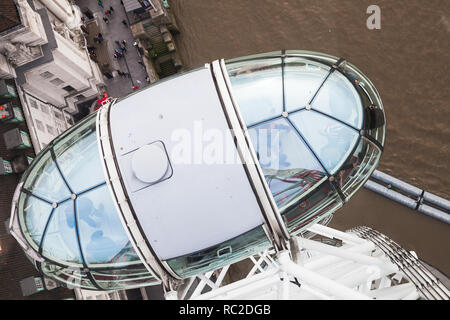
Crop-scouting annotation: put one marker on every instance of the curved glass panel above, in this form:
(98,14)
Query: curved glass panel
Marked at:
(288,165)
(302,79)
(135,269)
(45,181)
(339,99)
(231,251)
(257,87)
(78,157)
(69,214)
(375,118)
(60,242)
(343,106)
(132,277)
(322,201)
(69,277)
(314,56)
(273,54)
(330,140)
(102,236)
(35,215)
(358,168)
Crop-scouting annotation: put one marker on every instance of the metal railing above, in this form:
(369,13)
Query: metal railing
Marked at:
(409,195)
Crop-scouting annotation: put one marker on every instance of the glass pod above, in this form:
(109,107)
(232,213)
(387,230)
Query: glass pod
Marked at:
(199,171)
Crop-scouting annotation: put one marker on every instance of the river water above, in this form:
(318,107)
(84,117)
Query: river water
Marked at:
(407,60)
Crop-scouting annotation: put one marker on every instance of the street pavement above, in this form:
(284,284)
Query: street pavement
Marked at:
(115,30)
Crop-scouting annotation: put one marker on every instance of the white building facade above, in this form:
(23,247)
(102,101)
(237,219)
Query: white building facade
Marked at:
(43,48)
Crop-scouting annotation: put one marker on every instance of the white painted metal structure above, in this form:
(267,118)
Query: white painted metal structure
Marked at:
(357,269)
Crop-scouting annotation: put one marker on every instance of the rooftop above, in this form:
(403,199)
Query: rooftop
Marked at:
(9,15)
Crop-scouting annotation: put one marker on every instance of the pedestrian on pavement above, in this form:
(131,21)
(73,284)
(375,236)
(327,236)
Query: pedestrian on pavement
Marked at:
(100,3)
(135,88)
(96,40)
(116,56)
(147,79)
(124,22)
(108,74)
(123,49)
(100,37)
(111,10)
(105,19)
(138,82)
(117,42)
(120,73)
(124,43)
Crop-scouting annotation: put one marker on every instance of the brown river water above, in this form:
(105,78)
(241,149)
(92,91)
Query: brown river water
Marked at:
(407,60)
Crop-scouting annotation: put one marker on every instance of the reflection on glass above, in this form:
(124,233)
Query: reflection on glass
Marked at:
(288,165)
(256,56)
(60,241)
(45,181)
(103,238)
(257,88)
(35,215)
(339,99)
(358,168)
(302,79)
(78,157)
(231,251)
(330,140)
(320,202)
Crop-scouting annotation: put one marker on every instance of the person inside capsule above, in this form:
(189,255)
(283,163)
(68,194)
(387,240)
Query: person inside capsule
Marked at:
(106,205)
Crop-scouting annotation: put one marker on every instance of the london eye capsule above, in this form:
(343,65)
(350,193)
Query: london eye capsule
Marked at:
(199,171)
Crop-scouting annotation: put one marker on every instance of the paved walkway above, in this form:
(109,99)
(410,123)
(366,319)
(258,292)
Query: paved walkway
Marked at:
(115,30)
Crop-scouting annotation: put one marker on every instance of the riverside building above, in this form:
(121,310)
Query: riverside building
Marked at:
(43,49)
